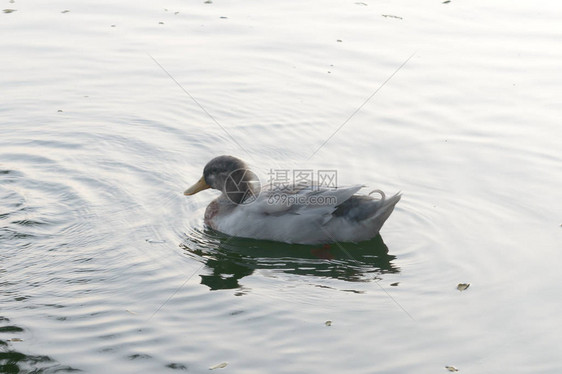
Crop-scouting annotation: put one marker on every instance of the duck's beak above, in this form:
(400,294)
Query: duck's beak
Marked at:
(199,186)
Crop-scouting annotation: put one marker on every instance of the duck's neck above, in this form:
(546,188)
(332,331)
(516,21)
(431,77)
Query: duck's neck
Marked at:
(240,195)
(240,188)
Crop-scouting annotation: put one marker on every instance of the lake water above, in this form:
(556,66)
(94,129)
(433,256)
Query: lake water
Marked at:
(106,266)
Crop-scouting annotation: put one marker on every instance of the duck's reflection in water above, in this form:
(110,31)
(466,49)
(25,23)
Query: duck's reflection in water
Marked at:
(228,259)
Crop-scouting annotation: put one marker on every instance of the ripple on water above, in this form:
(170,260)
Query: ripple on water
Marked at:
(14,361)
(283,272)
(103,260)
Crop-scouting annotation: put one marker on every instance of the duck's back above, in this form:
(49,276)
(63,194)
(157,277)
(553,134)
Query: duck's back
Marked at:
(308,216)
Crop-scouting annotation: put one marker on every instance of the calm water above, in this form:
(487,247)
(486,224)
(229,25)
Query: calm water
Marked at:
(105,265)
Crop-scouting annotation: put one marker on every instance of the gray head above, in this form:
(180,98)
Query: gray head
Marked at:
(229,175)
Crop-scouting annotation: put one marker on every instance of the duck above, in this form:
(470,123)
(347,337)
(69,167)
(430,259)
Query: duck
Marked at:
(299,214)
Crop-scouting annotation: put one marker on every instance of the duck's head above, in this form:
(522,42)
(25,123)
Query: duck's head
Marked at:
(229,175)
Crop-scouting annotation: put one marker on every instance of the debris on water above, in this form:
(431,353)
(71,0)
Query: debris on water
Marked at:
(223,17)
(328,323)
(353,291)
(9,10)
(155,241)
(176,13)
(208,2)
(395,284)
(113,25)
(130,311)
(160,23)
(12,1)
(16,340)
(361,3)
(219,366)
(446,1)
(176,366)
(65,11)
(59,111)
(391,16)
(451,368)
(463,286)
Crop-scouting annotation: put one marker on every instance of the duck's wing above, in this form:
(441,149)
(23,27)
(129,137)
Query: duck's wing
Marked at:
(365,208)
(310,200)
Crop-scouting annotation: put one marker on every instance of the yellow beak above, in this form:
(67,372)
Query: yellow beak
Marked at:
(199,186)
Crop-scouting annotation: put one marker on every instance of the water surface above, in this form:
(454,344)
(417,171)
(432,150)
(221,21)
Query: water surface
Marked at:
(105,265)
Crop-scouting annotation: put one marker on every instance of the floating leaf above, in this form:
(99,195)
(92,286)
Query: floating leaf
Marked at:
(391,16)
(328,323)
(9,10)
(219,366)
(65,11)
(176,366)
(155,241)
(451,368)
(463,286)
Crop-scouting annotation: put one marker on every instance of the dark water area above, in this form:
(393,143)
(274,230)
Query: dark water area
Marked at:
(229,260)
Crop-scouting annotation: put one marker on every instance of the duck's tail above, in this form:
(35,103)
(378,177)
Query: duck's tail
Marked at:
(384,208)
